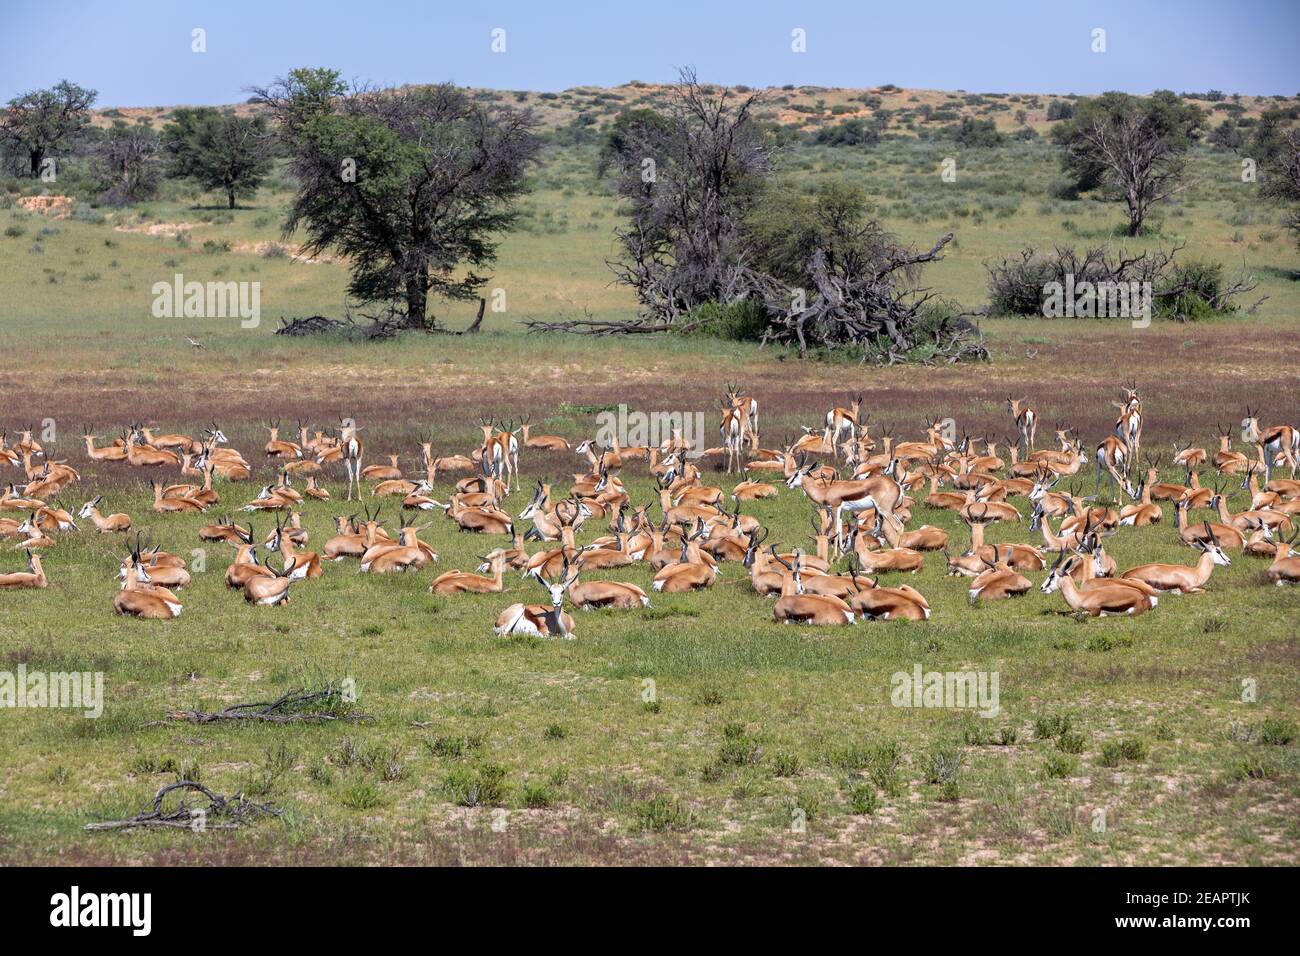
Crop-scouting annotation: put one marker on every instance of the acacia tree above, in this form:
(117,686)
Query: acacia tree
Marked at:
(1131,144)
(412,185)
(38,121)
(219,151)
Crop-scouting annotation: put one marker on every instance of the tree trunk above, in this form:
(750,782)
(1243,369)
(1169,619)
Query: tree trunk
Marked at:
(231,194)
(417,297)
(1135,213)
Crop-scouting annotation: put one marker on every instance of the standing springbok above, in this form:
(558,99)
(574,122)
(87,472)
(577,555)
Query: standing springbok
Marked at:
(1026,421)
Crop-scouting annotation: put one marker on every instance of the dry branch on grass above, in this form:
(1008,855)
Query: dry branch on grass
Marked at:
(221,813)
(296,706)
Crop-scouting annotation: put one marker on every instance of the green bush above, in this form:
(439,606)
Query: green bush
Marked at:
(741,321)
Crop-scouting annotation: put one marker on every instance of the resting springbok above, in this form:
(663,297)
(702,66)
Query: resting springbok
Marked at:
(1285,568)
(1177,579)
(141,597)
(542,442)
(463,582)
(270,591)
(540,620)
(111,524)
(796,607)
(1103,601)
(33,577)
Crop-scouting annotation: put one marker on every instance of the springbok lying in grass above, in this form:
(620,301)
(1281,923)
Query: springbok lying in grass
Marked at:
(33,577)
(540,620)
(112,524)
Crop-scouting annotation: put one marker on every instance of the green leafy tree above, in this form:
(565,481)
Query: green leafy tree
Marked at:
(414,186)
(219,151)
(1133,145)
(39,121)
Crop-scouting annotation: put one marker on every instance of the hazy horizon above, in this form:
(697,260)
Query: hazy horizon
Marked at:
(139,54)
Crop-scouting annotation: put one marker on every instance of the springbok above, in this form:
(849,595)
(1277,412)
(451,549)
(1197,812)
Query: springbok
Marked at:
(1143,511)
(277,448)
(1276,440)
(463,582)
(997,582)
(1226,536)
(1177,579)
(1128,427)
(173,505)
(542,442)
(245,566)
(842,422)
(1113,457)
(272,591)
(540,620)
(304,564)
(389,472)
(902,603)
(111,524)
(33,577)
(691,572)
(1102,601)
(794,606)
(1285,568)
(748,404)
(141,595)
(147,456)
(114,452)
(881,493)
(1026,421)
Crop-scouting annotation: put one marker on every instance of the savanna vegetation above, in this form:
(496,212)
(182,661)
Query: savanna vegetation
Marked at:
(695,729)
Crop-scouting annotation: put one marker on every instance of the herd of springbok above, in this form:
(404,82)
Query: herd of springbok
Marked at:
(861,494)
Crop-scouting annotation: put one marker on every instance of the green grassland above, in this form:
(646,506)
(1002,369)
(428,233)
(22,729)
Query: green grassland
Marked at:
(751,721)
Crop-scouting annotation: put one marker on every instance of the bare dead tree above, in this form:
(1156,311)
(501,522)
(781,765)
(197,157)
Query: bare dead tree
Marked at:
(688,175)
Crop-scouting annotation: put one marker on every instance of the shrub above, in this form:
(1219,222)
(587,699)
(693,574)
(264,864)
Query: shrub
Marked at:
(742,321)
(1048,726)
(738,747)
(786,763)
(536,796)
(454,747)
(660,814)
(361,794)
(1276,732)
(1058,765)
(863,798)
(474,787)
(1071,742)
(943,769)
(1114,752)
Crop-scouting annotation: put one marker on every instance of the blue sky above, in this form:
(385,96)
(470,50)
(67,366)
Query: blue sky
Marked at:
(139,53)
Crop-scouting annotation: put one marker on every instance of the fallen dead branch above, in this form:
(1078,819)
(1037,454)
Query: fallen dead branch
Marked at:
(297,706)
(221,813)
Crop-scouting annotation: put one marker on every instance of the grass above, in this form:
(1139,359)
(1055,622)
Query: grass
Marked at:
(753,724)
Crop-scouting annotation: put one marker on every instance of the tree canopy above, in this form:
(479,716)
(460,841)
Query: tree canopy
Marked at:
(1133,145)
(39,121)
(414,185)
(219,151)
